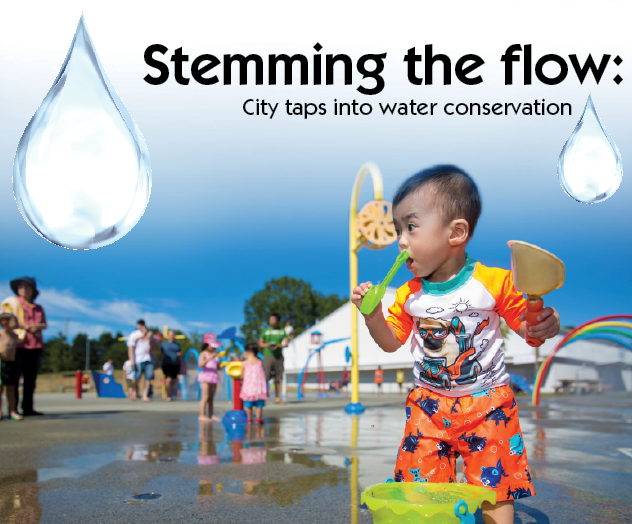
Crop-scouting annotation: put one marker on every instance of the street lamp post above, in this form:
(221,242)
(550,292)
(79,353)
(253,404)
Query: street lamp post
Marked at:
(87,353)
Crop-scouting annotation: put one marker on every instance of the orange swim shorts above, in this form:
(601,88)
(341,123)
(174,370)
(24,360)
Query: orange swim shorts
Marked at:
(483,428)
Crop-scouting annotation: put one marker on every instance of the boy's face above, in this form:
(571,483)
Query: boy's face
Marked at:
(274,321)
(423,232)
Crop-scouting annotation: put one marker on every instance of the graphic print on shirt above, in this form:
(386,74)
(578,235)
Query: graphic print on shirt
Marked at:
(456,339)
(448,359)
(488,376)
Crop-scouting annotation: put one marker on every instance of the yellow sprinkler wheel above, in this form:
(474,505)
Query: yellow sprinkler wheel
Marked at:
(234,369)
(375,225)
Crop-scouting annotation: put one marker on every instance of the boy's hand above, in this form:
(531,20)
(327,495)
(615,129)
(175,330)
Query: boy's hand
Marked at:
(548,324)
(359,292)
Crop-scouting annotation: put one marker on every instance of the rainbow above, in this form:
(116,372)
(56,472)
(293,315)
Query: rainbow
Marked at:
(598,328)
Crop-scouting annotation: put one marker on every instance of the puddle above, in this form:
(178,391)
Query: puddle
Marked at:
(19,498)
(307,464)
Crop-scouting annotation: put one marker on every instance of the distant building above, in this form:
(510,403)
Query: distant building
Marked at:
(585,359)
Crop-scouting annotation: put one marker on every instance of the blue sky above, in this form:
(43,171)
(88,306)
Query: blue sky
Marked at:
(237,200)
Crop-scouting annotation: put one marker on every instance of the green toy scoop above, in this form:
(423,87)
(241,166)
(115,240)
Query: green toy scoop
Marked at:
(375,294)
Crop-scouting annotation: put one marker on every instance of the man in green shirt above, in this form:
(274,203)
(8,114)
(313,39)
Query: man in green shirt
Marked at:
(272,342)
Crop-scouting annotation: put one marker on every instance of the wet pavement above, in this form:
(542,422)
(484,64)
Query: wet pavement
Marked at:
(306,464)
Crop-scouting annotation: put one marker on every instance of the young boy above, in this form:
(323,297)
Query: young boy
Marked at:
(8,371)
(130,378)
(462,404)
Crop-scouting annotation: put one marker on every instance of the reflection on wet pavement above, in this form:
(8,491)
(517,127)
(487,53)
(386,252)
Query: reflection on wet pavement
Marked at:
(19,498)
(304,467)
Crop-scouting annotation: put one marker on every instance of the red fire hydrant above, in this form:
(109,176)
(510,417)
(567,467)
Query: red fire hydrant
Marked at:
(78,384)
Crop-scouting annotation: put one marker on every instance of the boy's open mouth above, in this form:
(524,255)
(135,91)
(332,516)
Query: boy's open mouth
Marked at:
(409,263)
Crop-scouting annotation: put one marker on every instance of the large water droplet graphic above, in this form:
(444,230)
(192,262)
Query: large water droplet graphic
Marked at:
(590,166)
(81,174)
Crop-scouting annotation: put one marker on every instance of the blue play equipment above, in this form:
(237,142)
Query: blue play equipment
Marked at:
(230,334)
(521,382)
(233,419)
(300,377)
(191,389)
(106,386)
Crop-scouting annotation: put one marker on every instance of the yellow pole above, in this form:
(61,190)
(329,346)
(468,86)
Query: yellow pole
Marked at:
(354,471)
(354,246)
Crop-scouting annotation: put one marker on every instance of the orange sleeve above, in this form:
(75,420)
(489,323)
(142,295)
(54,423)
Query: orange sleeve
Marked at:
(398,318)
(510,303)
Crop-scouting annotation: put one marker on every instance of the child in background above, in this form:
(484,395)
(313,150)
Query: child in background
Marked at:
(8,371)
(130,376)
(379,378)
(254,389)
(400,380)
(345,380)
(208,377)
(108,367)
(462,404)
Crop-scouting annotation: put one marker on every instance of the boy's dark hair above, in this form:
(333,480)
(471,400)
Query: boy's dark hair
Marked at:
(278,317)
(140,322)
(457,193)
(204,346)
(253,348)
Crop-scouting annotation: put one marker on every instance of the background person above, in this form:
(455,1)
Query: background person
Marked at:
(31,323)
(130,379)
(379,378)
(289,330)
(208,377)
(108,367)
(254,390)
(170,352)
(139,351)
(400,380)
(345,380)
(8,343)
(272,341)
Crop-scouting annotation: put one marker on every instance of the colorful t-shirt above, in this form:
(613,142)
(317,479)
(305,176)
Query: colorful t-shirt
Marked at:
(273,336)
(456,339)
(33,314)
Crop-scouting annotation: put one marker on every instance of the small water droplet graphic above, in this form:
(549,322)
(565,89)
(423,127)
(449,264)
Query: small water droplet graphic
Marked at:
(81,174)
(590,166)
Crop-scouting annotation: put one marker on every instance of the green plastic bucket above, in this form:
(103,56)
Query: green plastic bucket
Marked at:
(414,502)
